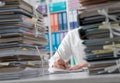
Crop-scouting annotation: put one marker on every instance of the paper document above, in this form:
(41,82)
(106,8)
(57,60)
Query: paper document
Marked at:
(58,71)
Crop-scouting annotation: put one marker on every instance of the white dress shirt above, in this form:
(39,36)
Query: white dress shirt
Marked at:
(70,45)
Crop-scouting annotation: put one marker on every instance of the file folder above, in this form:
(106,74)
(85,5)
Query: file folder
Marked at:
(52,22)
(58,41)
(60,21)
(56,22)
(64,17)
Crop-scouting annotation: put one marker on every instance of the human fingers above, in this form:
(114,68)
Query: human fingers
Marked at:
(56,65)
(61,61)
(75,67)
(66,64)
(79,66)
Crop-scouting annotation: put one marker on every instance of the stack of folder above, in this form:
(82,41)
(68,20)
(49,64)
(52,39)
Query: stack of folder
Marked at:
(22,40)
(58,21)
(89,3)
(102,50)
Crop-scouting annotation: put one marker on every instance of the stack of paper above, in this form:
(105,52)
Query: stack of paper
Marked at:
(102,50)
(59,71)
(22,39)
(93,3)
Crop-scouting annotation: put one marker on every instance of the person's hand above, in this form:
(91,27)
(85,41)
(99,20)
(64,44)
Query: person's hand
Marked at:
(79,66)
(60,64)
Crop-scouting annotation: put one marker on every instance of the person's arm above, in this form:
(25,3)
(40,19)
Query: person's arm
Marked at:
(62,55)
(79,66)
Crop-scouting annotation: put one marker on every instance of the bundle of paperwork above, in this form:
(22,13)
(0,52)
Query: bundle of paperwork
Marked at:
(22,41)
(101,34)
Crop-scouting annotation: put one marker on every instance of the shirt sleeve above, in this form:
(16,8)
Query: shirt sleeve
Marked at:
(63,51)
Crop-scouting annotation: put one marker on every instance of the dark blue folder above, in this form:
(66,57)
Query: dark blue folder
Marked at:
(64,16)
(60,21)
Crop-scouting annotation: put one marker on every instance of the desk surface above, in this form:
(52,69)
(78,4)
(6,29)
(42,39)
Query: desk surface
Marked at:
(81,77)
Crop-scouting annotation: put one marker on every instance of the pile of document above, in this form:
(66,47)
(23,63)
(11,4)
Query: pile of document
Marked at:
(22,41)
(91,3)
(101,38)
